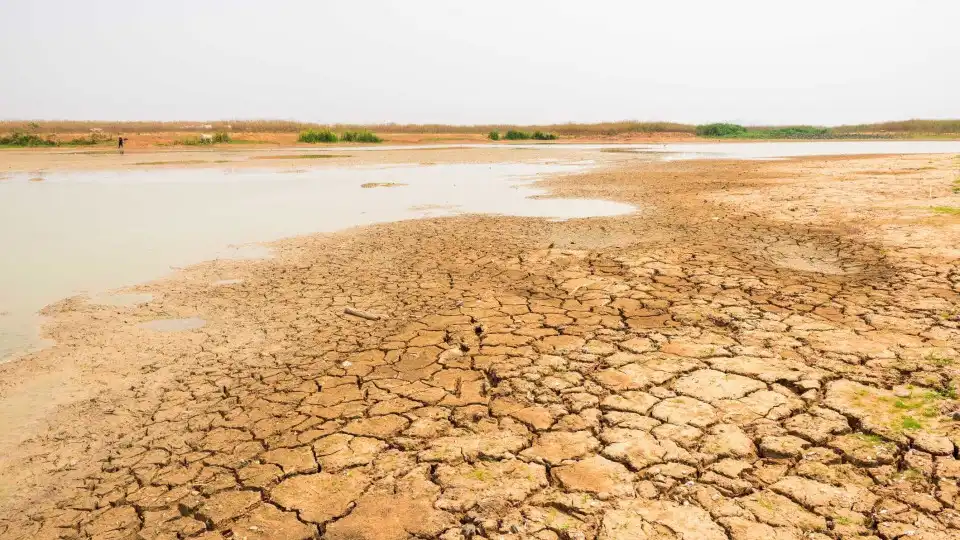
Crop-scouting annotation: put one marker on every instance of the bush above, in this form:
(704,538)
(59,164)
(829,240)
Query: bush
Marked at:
(799,132)
(494,135)
(221,137)
(19,138)
(514,135)
(720,130)
(360,136)
(541,136)
(317,136)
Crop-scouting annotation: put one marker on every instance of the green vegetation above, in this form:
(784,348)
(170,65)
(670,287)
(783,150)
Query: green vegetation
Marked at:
(221,137)
(925,403)
(736,131)
(956,185)
(360,136)
(797,132)
(948,210)
(721,130)
(494,135)
(516,135)
(910,423)
(541,136)
(317,136)
(327,136)
(21,138)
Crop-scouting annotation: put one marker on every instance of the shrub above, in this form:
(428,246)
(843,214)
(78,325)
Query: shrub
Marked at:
(221,137)
(360,136)
(720,130)
(514,135)
(494,135)
(317,136)
(19,138)
(799,132)
(541,136)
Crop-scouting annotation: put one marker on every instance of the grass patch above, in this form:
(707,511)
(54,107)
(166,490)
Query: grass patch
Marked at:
(317,136)
(360,136)
(947,210)
(910,423)
(926,404)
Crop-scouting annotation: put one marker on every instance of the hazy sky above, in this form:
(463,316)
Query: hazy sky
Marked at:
(518,61)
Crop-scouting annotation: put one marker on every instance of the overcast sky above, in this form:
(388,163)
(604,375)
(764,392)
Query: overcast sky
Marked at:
(516,61)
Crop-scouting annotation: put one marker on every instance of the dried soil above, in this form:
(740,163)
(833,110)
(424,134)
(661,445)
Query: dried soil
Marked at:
(760,353)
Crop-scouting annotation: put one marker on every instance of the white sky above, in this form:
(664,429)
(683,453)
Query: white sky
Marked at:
(516,61)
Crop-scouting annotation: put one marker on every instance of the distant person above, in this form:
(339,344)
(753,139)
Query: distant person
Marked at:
(120,144)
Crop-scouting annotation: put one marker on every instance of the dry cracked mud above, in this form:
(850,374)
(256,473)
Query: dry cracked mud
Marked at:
(713,367)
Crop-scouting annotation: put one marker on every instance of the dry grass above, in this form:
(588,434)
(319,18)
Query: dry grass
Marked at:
(938,127)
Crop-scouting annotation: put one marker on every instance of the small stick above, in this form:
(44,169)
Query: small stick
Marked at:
(362,314)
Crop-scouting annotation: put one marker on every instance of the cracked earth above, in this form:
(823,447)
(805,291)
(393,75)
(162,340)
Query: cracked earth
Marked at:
(765,351)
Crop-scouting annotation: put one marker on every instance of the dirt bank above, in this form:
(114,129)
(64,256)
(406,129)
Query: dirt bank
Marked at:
(765,350)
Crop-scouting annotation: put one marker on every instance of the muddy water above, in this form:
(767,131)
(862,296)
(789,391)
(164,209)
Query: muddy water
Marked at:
(88,232)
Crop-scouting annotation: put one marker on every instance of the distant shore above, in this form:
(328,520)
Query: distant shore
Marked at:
(144,134)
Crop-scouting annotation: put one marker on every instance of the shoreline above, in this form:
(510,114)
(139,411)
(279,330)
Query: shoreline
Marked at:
(537,288)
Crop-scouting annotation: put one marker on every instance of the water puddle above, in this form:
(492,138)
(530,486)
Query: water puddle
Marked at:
(94,231)
(173,325)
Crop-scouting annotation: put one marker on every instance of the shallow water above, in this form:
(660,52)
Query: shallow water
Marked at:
(89,232)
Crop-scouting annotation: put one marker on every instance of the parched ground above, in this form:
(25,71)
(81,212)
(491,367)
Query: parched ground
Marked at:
(765,351)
